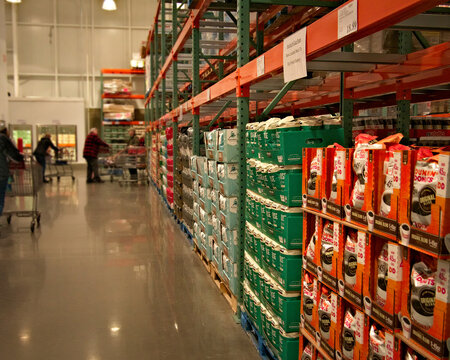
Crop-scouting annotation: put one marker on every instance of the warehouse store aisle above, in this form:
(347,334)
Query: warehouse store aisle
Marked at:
(109,276)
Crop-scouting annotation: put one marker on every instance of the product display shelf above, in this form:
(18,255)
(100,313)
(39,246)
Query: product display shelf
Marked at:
(115,131)
(377,275)
(313,342)
(210,105)
(366,230)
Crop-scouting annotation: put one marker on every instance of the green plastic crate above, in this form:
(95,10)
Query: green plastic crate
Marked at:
(282,265)
(283,146)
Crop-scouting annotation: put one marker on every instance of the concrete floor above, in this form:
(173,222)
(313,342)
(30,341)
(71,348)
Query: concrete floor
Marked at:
(109,275)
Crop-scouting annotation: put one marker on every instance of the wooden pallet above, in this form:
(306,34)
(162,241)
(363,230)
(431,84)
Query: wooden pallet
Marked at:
(223,288)
(201,254)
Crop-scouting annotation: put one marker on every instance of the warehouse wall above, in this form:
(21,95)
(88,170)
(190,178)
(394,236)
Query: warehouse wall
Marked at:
(63,44)
(61,111)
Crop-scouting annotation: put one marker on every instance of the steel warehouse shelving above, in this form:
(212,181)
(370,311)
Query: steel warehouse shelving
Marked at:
(189,86)
(121,73)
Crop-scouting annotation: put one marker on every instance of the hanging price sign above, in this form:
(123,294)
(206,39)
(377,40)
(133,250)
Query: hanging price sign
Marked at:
(348,19)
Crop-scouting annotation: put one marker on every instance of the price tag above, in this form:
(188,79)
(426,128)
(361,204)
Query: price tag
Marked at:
(334,305)
(260,66)
(348,19)
(319,162)
(340,165)
(443,273)
(336,233)
(361,247)
(394,263)
(294,56)
(390,345)
(443,177)
(396,173)
(208,94)
(181,115)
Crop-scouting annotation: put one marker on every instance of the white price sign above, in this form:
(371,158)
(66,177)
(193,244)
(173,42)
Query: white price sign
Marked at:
(294,56)
(260,66)
(361,247)
(208,94)
(396,171)
(348,19)
(181,115)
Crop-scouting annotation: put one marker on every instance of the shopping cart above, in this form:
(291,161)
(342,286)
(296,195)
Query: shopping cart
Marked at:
(25,180)
(62,165)
(133,162)
(107,166)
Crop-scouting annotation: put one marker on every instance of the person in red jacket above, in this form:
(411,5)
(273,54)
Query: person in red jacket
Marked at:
(90,153)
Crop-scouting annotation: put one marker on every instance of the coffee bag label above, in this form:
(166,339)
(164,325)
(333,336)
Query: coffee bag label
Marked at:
(443,188)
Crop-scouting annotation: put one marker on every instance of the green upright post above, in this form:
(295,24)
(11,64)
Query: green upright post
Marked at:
(196,85)
(403,113)
(220,67)
(163,56)
(346,106)
(156,102)
(243,30)
(404,96)
(175,79)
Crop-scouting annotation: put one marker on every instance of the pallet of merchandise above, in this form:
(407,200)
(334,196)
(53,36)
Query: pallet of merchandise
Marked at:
(202,255)
(254,334)
(224,288)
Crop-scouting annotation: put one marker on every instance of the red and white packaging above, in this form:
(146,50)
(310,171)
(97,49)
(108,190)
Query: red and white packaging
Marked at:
(424,315)
(354,338)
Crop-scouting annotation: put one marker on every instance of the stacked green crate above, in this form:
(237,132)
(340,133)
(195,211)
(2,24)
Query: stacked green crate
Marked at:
(203,226)
(223,154)
(273,241)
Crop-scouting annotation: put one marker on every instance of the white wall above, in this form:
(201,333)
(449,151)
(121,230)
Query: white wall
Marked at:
(63,44)
(62,111)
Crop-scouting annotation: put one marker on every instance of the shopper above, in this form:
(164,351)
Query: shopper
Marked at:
(90,153)
(40,153)
(134,139)
(7,150)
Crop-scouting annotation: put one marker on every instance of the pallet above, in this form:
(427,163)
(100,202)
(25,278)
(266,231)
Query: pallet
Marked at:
(223,288)
(256,338)
(201,254)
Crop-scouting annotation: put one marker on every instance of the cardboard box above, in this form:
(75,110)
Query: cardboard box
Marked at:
(330,246)
(353,341)
(382,343)
(338,190)
(352,265)
(426,325)
(312,177)
(311,250)
(383,281)
(434,238)
(227,175)
(330,317)
(211,143)
(227,146)
(228,211)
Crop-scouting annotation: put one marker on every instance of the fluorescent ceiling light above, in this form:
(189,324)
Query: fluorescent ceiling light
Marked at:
(14,1)
(109,5)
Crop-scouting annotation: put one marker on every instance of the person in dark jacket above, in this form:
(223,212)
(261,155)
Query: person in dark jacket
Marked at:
(40,152)
(7,151)
(90,153)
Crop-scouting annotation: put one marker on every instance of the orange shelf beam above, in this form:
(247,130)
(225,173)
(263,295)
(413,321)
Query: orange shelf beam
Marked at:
(123,71)
(123,96)
(321,39)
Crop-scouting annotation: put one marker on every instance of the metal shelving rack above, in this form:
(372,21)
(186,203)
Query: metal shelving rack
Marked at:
(120,72)
(231,88)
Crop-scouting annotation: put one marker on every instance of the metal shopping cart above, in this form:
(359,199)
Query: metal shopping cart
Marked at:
(133,162)
(107,166)
(62,165)
(24,183)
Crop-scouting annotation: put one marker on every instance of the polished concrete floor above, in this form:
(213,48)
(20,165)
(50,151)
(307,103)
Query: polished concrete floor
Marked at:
(108,276)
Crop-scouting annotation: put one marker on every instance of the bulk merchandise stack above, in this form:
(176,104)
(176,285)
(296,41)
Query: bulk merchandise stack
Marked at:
(169,165)
(273,240)
(154,158)
(376,251)
(187,195)
(215,208)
